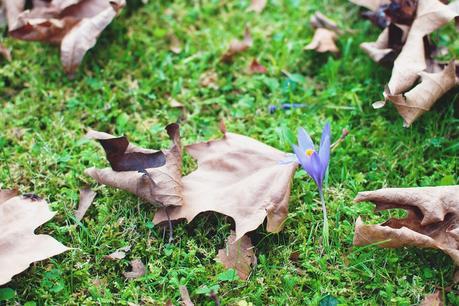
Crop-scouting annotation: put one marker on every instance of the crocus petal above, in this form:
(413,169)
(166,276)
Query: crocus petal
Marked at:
(325,132)
(300,155)
(324,155)
(304,140)
(315,166)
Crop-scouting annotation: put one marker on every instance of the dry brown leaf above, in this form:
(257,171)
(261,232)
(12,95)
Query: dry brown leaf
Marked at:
(162,186)
(83,36)
(319,20)
(138,270)
(432,221)
(454,6)
(431,15)
(372,5)
(257,6)
(5,52)
(209,79)
(6,194)
(323,41)
(256,67)
(239,177)
(238,255)
(412,104)
(238,46)
(433,299)
(174,103)
(86,198)
(19,217)
(175,44)
(186,301)
(13,8)
(74,24)
(118,254)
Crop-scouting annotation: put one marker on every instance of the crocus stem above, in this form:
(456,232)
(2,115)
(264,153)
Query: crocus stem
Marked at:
(325,233)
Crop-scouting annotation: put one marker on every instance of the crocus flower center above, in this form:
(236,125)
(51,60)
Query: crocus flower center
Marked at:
(309,152)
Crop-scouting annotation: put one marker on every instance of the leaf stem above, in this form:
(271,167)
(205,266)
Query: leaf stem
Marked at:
(325,231)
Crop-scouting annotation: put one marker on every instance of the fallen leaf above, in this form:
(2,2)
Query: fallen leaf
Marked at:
(118,254)
(174,103)
(13,8)
(209,79)
(175,44)
(323,41)
(86,198)
(238,254)
(372,5)
(431,15)
(401,11)
(256,67)
(319,20)
(19,217)
(239,177)
(257,6)
(73,24)
(238,46)
(5,52)
(433,299)
(6,194)
(412,104)
(185,296)
(138,270)
(431,222)
(142,172)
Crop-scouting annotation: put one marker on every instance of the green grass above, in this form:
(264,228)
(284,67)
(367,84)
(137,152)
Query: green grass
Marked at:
(122,88)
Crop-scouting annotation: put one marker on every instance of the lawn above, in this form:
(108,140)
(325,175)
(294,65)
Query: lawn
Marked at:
(123,87)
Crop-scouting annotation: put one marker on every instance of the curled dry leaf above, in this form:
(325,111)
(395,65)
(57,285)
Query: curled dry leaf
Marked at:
(433,299)
(138,270)
(86,198)
(431,15)
(257,6)
(174,44)
(319,20)
(19,217)
(432,220)
(5,52)
(74,25)
(323,41)
(256,67)
(372,5)
(239,177)
(422,97)
(6,194)
(118,254)
(186,301)
(238,46)
(238,254)
(154,176)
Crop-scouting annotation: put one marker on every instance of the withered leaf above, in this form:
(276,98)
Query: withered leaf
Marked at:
(323,41)
(238,46)
(186,301)
(257,6)
(73,24)
(432,220)
(372,5)
(160,185)
(319,20)
(6,194)
(5,52)
(118,254)
(175,44)
(433,299)
(138,270)
(209,79)
(238,254)
(256,67)
(431,15)
(412,104)
(86,198)
(13,9)
(239,177)
(401,11)
(19,217)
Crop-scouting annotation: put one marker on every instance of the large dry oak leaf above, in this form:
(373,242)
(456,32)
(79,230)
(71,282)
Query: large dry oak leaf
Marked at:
(158,185)
(19,246)
(432,220)
(239,177)
(412,104)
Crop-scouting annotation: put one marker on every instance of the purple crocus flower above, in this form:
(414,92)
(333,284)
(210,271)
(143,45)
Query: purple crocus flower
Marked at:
(313,162)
